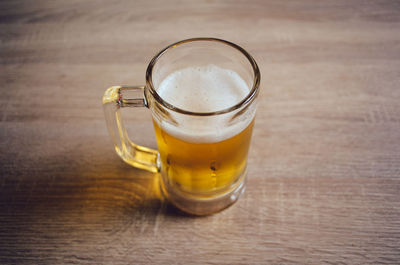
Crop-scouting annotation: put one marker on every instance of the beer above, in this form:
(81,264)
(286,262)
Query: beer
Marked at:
(202,94)
(202,155)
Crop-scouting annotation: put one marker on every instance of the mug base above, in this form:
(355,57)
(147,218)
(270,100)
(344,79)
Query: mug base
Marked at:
(200,205)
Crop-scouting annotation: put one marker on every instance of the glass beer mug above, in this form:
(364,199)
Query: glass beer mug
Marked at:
(202,96)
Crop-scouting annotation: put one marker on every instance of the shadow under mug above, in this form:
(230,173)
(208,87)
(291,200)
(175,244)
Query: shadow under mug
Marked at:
(205,172)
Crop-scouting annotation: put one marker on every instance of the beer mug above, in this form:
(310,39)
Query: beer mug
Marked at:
(202,96)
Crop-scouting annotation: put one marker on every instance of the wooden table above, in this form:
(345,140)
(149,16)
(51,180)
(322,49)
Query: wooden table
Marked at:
(324,167)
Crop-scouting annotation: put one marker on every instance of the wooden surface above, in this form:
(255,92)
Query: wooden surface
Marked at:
(324,167)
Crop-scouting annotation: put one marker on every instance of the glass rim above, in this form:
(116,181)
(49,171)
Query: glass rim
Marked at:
(245,101)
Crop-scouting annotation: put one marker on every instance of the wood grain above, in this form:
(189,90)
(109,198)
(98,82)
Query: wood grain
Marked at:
(324,167)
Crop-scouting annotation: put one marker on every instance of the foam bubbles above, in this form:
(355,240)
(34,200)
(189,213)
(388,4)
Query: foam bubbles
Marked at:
(204,89)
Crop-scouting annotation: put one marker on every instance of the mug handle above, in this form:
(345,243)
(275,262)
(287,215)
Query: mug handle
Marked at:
(133,154)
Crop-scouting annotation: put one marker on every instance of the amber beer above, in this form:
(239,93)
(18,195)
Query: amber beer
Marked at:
(201,155)
(203,167)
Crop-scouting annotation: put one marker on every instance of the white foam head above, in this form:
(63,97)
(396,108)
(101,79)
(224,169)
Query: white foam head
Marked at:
(203,89)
